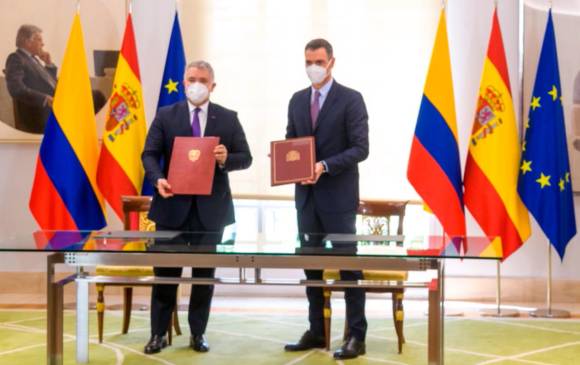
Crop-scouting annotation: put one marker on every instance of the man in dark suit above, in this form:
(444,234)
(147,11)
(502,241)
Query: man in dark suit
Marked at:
(31,79)
(194,117)
(337,118)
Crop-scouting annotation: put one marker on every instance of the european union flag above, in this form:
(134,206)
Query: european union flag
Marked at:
(171,84)
(172,89)
(544,180)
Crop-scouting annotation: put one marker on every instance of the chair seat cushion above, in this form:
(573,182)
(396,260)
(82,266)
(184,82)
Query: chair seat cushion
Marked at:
(124,270)
(371,275)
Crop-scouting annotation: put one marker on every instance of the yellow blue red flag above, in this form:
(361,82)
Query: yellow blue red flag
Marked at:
(434,167)
(64,194)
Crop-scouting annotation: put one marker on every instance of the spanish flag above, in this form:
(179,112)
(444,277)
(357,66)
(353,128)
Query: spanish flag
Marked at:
(491,171)
(64,194)
(120,170)
(434,167)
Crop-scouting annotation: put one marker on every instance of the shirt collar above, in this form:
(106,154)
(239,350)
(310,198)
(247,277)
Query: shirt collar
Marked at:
(203,107)
(324,89)
(26,52)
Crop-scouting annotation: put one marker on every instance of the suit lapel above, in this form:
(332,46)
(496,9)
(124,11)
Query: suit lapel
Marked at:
(184,120)
(210,126)
(306,96)
(328,104)
(41,71)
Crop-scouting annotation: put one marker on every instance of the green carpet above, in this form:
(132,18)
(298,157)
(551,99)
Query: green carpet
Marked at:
(258,339)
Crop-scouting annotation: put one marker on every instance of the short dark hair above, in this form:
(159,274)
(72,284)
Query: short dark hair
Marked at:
(320,43)
(25,32)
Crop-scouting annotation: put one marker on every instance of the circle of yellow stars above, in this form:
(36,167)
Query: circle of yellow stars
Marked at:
(543,180)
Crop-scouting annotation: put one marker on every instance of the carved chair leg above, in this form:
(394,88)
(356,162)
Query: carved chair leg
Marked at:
(100,310)
(127,306)
(398,316)
(176,326)
(327,317)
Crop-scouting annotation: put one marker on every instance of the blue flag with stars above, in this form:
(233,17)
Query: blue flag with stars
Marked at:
(171,84)
(544,181)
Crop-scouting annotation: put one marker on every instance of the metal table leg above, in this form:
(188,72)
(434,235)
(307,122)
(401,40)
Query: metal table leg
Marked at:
(82,320)
(54,312)
(436,317)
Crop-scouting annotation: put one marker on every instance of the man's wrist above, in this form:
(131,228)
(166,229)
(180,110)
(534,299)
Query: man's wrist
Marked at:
(324,166)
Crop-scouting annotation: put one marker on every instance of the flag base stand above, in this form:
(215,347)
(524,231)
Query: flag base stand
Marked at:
(499,313)
(550,313)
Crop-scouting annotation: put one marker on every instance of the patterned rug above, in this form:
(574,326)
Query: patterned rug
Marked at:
(242,338)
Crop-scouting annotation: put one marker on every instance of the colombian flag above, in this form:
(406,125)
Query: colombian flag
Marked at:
(491,171)
(434,167)
(120,170)
(64,194)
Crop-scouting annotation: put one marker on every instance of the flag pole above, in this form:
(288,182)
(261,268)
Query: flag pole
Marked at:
(549,312)
(498,311)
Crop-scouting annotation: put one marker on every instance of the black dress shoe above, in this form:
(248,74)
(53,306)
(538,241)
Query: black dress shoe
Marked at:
(350,349)
(308,341)
(199,343)
(156,344)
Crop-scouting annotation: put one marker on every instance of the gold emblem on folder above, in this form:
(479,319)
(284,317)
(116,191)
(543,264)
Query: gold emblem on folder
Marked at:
(193,155)
(292,155)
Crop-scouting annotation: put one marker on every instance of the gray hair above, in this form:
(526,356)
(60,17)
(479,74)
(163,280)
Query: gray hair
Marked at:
(25,32)
(201,65)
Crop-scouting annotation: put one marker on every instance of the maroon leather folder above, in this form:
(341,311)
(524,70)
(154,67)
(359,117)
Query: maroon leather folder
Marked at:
(192,165)
(292,160)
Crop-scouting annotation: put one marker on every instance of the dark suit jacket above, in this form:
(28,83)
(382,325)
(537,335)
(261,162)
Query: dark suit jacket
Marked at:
(29,86)
(215,210)
(341,135)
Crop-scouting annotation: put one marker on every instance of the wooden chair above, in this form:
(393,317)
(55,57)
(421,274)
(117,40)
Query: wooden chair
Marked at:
(377,217)
(135,210)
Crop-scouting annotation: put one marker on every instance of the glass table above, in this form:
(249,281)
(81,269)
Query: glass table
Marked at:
(83,249)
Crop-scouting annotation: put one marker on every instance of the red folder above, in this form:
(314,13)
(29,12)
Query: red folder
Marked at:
(192,165)
(292,160)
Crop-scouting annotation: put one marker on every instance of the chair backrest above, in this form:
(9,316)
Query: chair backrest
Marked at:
(135,210)
(6,104)
(377,215)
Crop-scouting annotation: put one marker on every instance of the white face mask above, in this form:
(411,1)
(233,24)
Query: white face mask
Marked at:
(316,73)
(197,93)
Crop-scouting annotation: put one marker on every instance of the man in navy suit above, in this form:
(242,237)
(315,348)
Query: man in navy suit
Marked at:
(337,118)
(197,117)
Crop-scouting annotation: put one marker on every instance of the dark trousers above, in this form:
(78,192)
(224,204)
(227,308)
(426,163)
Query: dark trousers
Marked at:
(312,220)
(163,297)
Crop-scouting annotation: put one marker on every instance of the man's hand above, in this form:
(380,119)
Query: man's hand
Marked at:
(318,170)
(164,188)
(45,57)
(221,154)
(48,101)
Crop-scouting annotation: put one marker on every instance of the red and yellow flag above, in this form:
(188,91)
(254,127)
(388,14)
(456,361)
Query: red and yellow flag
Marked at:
(120,170)
(491,171)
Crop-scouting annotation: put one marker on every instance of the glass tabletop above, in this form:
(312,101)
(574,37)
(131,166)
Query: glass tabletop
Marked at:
(217,243)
